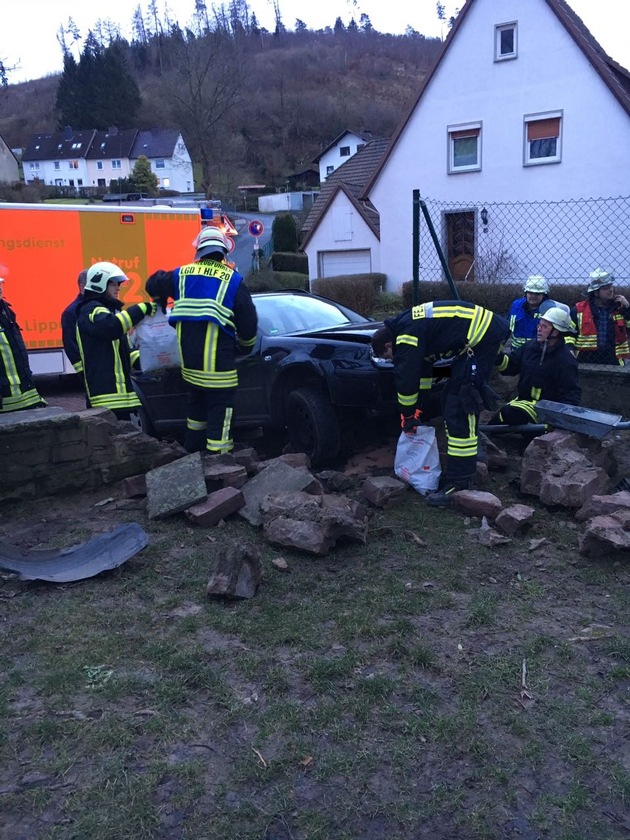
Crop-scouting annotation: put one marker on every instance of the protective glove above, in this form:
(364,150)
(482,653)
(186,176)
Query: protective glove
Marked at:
(410,422)
(150,308)
(470,398)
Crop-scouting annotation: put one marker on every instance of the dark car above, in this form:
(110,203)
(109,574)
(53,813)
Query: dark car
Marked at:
(310,372)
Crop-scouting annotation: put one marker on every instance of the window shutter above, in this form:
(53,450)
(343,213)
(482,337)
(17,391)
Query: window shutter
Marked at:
(543,129)
(468,132)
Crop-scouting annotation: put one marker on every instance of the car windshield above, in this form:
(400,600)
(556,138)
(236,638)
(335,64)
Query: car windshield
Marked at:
(286,314)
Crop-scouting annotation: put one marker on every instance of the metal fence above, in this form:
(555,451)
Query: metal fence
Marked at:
(503,242)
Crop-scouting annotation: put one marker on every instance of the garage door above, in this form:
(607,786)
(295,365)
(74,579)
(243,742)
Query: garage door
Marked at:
(332,263)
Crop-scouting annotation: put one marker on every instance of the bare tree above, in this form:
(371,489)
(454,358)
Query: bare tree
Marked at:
(206,83)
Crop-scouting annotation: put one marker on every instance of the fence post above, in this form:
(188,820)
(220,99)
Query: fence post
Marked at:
(440,252)
(415,290)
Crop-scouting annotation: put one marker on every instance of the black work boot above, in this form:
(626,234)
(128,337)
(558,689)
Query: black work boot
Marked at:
(442,498)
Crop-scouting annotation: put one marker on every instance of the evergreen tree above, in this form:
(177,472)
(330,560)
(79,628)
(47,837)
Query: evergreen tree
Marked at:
(339,27)
(366,23)
(143,178)
(300,26)
(99,91)
(285,233)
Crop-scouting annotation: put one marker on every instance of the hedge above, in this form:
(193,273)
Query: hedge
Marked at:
(357,291)
(272,281)
(289,261)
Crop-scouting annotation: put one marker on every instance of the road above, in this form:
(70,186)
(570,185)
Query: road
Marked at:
(244,242)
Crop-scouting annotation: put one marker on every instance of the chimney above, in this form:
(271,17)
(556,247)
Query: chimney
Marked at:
(112,131)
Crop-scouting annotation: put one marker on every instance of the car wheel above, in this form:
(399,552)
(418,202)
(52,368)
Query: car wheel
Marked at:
(141,421)
(313,425)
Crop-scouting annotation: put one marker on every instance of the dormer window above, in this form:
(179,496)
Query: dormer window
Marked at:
(505,41)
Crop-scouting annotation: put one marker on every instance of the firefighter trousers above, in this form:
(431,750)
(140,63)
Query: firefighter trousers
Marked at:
(209,420)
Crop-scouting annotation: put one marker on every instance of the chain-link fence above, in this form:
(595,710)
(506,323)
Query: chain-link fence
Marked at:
(503,242)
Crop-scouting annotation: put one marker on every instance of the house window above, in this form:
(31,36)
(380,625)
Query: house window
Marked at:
(464,148)
(329,169)
(360,146)
(344,151)
(101,182)
(57,165)
(73,164)
(505,41)
(116,164)
(542,138)
(80,182)
(159,164)
(99,164)
(166,183)
(34,165)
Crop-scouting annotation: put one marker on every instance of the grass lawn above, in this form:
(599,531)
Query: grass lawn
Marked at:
(420,686)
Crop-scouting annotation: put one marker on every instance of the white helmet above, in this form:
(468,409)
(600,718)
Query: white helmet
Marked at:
(100,274)
(536,284)
(559,318)
(211,241)
(599,278)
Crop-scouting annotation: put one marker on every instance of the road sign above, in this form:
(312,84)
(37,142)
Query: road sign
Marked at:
(230,243)
(255,228)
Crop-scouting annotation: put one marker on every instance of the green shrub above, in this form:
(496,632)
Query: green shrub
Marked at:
(357,291)
(285,233)
(289,261)
(497,297)
(271,281)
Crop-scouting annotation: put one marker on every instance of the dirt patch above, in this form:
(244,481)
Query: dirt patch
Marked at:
(427,687)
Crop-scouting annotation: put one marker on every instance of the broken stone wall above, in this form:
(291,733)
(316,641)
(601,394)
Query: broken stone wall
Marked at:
(46,451)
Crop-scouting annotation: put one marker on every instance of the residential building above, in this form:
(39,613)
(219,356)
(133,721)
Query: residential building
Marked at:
(341,233)
(9,172)
(93,158)
(342,148)
(522,106)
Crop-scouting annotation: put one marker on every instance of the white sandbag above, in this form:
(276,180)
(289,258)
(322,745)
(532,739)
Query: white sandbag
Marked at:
(157,341)
(417,460)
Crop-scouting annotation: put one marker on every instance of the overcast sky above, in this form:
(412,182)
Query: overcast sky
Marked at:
(28,27)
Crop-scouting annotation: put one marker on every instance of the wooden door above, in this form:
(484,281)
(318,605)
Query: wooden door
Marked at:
(460,238)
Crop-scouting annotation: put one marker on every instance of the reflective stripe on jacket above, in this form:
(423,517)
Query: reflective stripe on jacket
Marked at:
(102,328)
(586,341)
(17,390)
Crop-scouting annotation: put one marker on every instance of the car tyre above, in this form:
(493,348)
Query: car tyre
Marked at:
(142,421)
(313,425)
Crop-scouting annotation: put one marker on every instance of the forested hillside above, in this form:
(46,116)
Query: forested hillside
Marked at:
(253,106)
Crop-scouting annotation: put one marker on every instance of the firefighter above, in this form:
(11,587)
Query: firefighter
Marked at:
(17,390)
(548,370)
(69,326)
(102,327)
(214,316)
(471,336)
(602,322)
(525,311)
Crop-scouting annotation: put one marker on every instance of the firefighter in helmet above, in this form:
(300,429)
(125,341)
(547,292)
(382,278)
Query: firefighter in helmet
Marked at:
(525,311)
(214,316)
(547,368)
(602,322)
(102,328)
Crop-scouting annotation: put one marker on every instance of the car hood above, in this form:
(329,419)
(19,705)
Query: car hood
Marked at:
(361,333)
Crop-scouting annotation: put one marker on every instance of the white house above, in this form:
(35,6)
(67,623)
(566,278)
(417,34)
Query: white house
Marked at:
(169,158)
(93,158)
(8,164)
(342,148)
(341,233)
(522,106)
